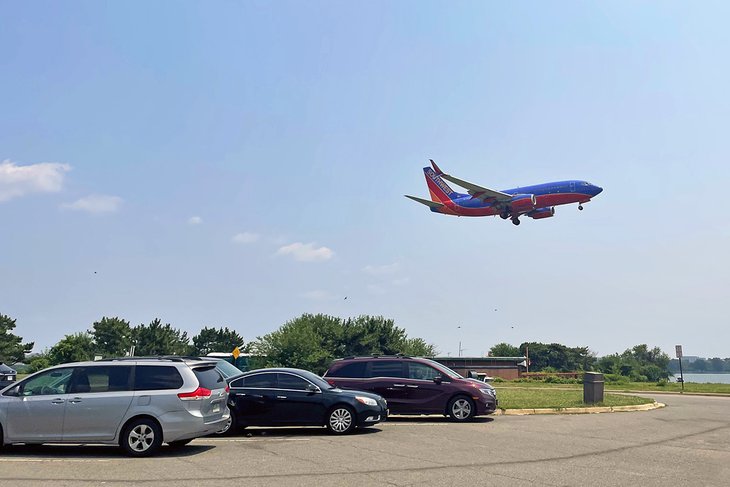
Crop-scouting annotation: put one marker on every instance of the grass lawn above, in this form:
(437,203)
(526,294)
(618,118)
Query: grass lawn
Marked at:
(628,386)
(513,398)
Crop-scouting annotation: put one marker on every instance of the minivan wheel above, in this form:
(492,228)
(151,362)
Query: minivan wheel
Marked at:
(461,408)
(341,420)
(141,437)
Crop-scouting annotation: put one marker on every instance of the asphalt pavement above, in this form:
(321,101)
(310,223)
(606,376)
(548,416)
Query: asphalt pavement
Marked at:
(686,443)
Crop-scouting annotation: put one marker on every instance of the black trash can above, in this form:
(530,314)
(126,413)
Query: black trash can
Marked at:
(592,387)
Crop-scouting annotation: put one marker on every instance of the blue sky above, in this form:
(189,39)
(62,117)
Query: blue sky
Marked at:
(240,163)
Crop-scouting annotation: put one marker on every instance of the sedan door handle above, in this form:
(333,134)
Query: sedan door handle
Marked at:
(281,397)
(75,400)
(58,401)
(399,385)
(412,387)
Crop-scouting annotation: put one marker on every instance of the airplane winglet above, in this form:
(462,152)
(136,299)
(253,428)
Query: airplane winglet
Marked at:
(436,168)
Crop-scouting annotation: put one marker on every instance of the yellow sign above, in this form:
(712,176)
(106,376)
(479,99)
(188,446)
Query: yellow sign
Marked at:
(236,352)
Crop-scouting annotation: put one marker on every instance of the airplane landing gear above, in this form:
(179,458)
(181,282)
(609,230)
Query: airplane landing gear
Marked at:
(580,207)
(504,215)
(515,221)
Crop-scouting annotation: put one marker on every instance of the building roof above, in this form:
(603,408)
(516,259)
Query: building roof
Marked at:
(473,359)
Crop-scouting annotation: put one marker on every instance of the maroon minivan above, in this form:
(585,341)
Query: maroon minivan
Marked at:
(414,386)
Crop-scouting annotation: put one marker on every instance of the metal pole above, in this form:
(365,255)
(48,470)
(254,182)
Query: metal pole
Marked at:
(681,374)
(527,362)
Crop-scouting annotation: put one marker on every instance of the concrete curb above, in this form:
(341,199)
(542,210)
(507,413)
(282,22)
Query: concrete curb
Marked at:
(587,410)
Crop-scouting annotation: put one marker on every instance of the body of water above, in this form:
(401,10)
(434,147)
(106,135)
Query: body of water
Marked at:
(706,378)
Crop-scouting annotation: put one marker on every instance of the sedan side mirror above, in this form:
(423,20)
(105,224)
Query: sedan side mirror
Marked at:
(312,389)
(13,392)
(438,379)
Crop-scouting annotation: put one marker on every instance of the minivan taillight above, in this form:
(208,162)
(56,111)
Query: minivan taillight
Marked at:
(228,389)
(196,395)
(330,381)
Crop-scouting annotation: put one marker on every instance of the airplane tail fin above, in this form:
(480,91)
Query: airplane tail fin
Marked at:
(440,191)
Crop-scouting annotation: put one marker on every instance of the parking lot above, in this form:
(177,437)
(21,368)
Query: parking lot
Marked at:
(686,443)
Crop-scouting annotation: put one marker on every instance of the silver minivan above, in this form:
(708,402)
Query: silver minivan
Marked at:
(135,403)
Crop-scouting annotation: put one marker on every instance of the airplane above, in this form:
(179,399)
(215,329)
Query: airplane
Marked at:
(537,202)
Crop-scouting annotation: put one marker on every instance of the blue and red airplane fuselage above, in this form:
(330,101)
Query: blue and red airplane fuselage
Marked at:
(536,201)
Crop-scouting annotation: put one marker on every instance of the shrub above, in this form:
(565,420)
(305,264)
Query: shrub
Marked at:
(662,382)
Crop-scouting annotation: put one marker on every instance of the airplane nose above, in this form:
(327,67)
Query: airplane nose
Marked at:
(597,189)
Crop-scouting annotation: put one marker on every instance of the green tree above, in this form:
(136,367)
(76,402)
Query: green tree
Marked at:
(716,364)
(504,350)
(38,361)
(313,341)
(112,336)
(12,348)
(159,339)
(216,340)
(558,357)
(77,347)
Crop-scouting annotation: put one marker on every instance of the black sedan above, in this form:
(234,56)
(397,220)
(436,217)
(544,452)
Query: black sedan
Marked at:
(295,397)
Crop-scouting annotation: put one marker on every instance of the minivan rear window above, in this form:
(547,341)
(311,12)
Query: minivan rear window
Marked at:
(209,377)
(355,370)
(152,377)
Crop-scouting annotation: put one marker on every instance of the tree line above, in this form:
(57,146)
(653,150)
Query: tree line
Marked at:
(702,365)
(310,342)
(639,363)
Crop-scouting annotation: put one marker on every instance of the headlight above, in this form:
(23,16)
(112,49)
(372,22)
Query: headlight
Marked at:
(368,401)
(488,392)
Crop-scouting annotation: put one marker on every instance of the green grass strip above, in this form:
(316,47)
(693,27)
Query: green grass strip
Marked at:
(558,399)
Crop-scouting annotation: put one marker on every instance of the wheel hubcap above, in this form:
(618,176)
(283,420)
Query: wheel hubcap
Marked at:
(141,437)
(340,420)
(226,427)
(461,409)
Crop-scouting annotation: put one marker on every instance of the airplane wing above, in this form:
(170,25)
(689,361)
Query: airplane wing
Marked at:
(484,194)
(429,203)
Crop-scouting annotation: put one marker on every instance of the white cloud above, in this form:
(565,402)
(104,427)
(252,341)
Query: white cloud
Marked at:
(306,252)
(402,281)
(382,270)
(245,238)
(95,203)
(318,295)
(195,220)
(44,177)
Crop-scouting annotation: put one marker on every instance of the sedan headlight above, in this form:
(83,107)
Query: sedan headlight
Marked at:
(488,392)
(368,401)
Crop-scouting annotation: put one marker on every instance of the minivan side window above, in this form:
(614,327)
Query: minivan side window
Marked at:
(386,368)
(422,371)
(105,378)
(354,370)
(48,383)
(152,377)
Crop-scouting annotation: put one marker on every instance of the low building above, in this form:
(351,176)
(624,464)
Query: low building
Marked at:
(508,368)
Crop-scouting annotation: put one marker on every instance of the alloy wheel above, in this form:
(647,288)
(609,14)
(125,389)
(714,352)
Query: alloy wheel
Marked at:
(340,420)
(141,438)
(461,409)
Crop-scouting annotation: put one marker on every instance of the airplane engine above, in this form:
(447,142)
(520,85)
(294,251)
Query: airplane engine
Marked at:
(542,213)
(522,203)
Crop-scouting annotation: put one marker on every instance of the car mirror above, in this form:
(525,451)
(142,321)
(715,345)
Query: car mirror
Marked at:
(438,379)
(14,391)
(311,388)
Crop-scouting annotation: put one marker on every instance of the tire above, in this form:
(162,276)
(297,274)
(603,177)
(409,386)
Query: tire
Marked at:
(2,440)
(461,409)
(230,428)
(341,420)
(141,437)
(179,443)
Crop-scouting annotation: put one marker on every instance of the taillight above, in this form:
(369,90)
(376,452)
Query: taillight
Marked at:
(196,395)
(228,389)
(331,382)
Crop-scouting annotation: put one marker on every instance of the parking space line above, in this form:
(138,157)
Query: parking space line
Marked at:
(244,440)
(54,460)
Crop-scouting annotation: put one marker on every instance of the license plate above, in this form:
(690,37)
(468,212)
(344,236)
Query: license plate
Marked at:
(217,408)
